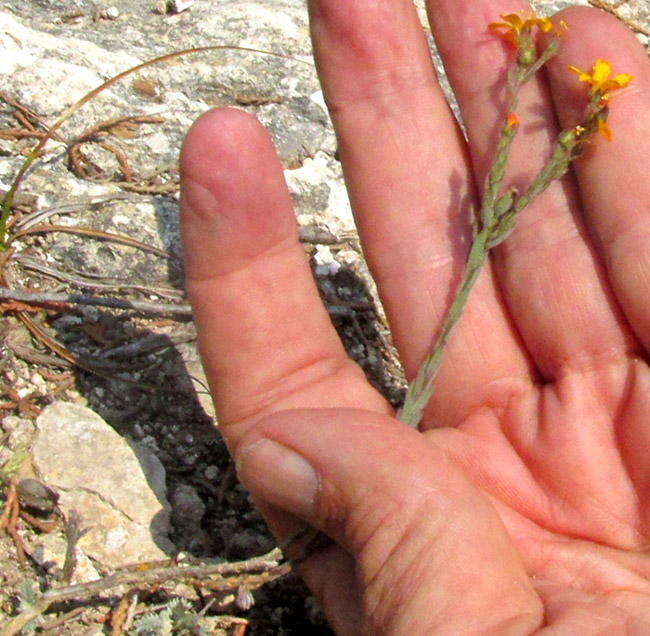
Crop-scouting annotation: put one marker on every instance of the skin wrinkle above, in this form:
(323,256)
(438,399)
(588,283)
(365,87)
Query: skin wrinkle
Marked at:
(553,516)
(582,356)
(629,600)
(286,389)
(384,525)
(633,385)
(586,363)
(379,602)
(555,520)
(257,261)
(393,91)
(497,396)
(535,232)
(398,538)
(593,569)
(581,575)
(518,493)
(621,246)
(636,277)
(513,383)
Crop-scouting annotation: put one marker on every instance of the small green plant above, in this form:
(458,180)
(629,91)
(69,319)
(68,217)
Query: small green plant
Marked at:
(177,618)
(28,600)
(496,218)
(9,468)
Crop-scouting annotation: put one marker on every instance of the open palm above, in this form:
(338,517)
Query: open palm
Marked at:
(523,506)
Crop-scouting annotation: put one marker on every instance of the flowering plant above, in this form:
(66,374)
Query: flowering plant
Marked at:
(495,220)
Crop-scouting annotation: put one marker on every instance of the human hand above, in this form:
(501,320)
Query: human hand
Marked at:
(522,508)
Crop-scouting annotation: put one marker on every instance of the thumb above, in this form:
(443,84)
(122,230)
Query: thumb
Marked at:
(429,551)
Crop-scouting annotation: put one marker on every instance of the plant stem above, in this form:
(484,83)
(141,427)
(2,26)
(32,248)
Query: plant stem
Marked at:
(421,388)
(495,220)
(487,233)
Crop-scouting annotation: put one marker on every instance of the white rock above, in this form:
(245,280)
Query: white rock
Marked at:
(117,488)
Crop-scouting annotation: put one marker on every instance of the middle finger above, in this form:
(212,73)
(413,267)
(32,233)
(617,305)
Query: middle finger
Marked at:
(410,185)
(554,285)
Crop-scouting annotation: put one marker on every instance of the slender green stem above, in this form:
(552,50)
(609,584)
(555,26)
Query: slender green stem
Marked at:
(486,225)
(496,218)
(492,224)
(421,389)
(553,169)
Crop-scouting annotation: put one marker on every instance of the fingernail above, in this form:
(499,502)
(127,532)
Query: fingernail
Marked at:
(278,475)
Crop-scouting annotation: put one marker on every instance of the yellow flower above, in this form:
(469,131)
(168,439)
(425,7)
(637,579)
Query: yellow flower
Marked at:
(600,81)
(515,25)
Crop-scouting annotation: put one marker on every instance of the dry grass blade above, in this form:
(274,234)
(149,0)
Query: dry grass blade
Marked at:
(118,126)
(6,205)
(90,281)
(98,234)
(104,371)
(613,9)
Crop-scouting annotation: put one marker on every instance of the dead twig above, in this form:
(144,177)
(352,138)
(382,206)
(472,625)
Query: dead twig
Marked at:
(20,133)
(90,281)
(23,405)
(38,216)
(28,117)
(47,626)
(118,126)
(123,126)
(40,358)
(151,188)
(123,615)
(8,521)
(73,532)
(58,301)
(78,162)
(222,577)
(108,372)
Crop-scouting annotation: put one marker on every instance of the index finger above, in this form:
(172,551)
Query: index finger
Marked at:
(265,338)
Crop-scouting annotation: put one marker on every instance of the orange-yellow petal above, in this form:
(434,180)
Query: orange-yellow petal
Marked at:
(621,79)
(543,24)
(604,130)
(600,71)
(513,20)
(584,77)
(599,78)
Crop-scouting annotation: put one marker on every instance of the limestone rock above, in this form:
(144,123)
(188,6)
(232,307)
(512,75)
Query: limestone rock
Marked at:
(49,552)
(117,488)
